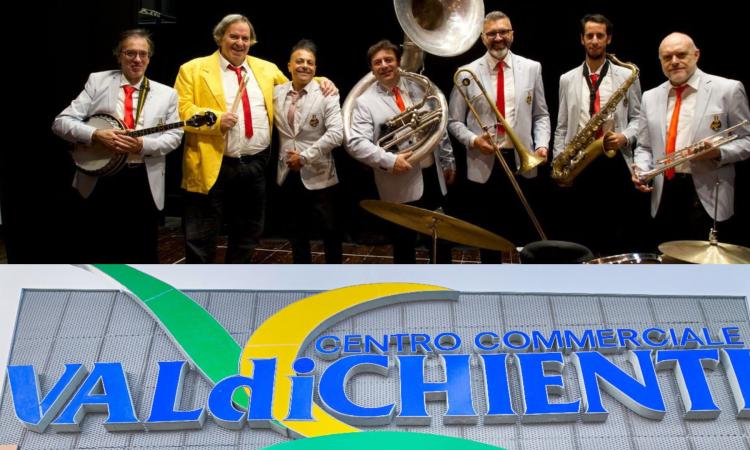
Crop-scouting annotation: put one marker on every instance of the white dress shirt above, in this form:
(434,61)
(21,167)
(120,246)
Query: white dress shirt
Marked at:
(133,158)
(687,113)
(509,89)
(237,143)
(605,92)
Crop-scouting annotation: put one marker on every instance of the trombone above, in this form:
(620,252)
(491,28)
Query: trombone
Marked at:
(528,160)
(688,153)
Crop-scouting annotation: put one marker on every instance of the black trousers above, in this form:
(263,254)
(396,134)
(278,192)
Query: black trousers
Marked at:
(496,207)
(405,240)
(602,210)
(237,200)
(311,213)
(681,215)
(120,220)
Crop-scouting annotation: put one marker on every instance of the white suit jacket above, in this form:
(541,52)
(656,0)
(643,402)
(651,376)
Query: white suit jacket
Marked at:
(532,117)
(319,130)
(626,113)
(718,98)
(100,95)
(372,109)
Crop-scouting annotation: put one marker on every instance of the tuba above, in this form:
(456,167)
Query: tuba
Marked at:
(440,27)
(584,148)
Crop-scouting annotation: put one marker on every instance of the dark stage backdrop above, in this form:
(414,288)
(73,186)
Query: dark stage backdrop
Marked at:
(39,207)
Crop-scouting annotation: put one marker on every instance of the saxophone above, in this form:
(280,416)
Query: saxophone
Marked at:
(584,148)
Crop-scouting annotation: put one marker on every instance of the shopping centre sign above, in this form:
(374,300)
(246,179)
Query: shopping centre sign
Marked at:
(269,384)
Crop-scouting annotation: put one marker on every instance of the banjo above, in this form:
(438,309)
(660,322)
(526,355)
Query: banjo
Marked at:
(97,160)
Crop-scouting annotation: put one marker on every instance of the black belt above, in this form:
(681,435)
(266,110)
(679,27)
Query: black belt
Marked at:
(245,159)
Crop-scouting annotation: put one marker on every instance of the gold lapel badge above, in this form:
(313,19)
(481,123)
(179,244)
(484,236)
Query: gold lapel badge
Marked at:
(314,121)
(716,124)
(528,99)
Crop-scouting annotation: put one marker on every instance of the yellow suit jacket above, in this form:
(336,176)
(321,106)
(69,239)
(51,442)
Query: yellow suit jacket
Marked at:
(200,88)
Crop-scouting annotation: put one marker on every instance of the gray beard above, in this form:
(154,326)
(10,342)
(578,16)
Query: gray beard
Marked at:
(499,54)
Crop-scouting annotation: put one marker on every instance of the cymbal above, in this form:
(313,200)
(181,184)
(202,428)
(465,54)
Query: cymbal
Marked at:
(704,252)
(447,227)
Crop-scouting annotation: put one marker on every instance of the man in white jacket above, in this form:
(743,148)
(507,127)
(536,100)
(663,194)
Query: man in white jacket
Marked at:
(600,205)
(518,93)
(310,127)
(122,213)
(686,109)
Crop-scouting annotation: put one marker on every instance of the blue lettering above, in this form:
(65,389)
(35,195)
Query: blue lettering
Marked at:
(732,336)
(553,343)
(573,342)
(332,390)
(24,387)
(379,347)
(352,344)
(640,394)
(104,390)
(399,340)
(535,384)
(486,341)
(167,397)
(261,397)
(300,405)
(497,389)
(447,342)
(456,390)
(626,338)
(655,333)
(328,347)
(690,339)
(688,366)
(709,339)
(516,340)
(419,342)
(605,339)
(736,364)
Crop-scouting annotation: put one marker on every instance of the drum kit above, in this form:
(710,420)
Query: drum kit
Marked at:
(441,226)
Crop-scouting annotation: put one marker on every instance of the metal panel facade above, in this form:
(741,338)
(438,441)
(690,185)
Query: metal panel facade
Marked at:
(59,327)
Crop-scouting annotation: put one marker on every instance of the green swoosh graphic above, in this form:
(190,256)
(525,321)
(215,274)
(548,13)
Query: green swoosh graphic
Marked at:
(210,348)
(378,440)
(202,339)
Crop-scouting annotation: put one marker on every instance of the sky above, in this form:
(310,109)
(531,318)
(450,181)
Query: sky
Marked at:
(633,279)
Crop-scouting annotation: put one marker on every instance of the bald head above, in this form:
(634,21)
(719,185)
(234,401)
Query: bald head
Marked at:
(679,58)
(677,39)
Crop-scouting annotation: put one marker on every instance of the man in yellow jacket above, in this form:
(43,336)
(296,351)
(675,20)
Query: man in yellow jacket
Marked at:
(223,170)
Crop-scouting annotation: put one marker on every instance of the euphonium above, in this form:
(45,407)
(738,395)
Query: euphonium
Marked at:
(584,148)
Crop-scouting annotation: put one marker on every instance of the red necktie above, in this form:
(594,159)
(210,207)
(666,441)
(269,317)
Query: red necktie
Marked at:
(597,101)
(672,132)
(128,119)
(399,100)
(500,95)
(245,103)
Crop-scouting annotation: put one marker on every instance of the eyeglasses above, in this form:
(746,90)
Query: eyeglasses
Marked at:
(494,34)
(131,54)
